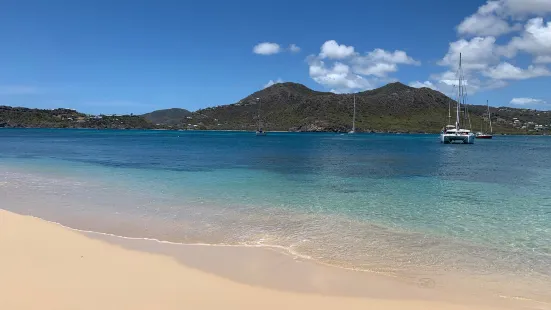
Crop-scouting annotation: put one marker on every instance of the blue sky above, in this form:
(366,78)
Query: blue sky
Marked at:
(137,56)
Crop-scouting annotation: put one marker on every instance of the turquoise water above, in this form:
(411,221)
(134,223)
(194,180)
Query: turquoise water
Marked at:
(403,205)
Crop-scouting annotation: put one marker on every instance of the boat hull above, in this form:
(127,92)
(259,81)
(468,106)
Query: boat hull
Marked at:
(448,138)
(484,137)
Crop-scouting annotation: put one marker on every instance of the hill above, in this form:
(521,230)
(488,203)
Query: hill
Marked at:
(294,107)
(168,116)
(392,108)
(67,118)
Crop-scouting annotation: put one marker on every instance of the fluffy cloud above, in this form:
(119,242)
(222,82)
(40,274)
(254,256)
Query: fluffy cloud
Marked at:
(397,57)
(294,48)
(338,77)
(497,17)
(542,59)
(331,49)
(481,24)
(484,66)
(535,40)
(348,70)
(266,48)
(506,71)
(272,82)
(269,48)
(447,82)
(377,69)
(477,53)
(519,8)
(525,101)
(380,62)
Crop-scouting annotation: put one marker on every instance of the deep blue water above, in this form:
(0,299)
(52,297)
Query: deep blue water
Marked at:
(401,204)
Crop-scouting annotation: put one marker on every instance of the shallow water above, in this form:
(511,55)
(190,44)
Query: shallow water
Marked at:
(402,205)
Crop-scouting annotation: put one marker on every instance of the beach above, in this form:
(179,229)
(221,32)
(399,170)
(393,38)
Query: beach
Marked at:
(386,218)
(47,266)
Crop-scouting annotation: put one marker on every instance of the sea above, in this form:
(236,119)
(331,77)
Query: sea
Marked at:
(405,206)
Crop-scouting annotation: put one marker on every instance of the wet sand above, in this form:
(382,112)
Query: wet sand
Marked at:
(47,266)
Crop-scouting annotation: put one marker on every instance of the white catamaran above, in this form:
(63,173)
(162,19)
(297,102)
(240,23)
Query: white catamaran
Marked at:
(454,133)
(353,118)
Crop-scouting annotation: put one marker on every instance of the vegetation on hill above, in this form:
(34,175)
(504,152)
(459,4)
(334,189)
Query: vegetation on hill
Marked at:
(173,116)
(66,118)
(391,108)
(294,107)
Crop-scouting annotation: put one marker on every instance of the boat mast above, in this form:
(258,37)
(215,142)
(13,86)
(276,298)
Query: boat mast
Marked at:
(482,124)
(354,116)
(489,117)
(449,111)
(258,113)
(459,96)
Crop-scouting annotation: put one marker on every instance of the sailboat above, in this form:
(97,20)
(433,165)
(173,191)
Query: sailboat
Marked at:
(353,131)
(454,133)
(481,134)
(259,130)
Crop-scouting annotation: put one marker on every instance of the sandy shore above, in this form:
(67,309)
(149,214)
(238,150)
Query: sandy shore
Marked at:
(47,266)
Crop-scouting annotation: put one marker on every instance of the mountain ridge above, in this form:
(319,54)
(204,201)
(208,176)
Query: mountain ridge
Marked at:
(289,106)
(294,107)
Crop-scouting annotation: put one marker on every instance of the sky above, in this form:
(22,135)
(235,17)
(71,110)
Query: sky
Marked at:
(100,56)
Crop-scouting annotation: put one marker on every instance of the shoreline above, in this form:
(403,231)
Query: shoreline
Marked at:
(273,131)
(474,285)
(250,266)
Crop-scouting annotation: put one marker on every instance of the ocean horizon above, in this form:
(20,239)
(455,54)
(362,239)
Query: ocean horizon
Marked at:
(405,206)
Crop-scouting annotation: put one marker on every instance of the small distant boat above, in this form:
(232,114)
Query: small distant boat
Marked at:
(481,134)
(353,131)
(259,130)
(454,133)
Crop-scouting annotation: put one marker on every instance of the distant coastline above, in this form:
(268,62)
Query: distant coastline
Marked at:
(291,107)
(520,134)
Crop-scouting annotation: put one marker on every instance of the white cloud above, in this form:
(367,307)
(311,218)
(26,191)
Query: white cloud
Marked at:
(519,8)
(536,39)
(490,7)
(339,77)
(526,101)
(506,71)
(269,48)
(483,59)
(332,49)
(266,48)
(481,24)
(272,82)
(495,84)
(294,48)
(17,90)
(448,81)
(428,84)
(497,17)
(377,69)
(353,71)
(397,57)
(477,53)
(542,59)
(380,62)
